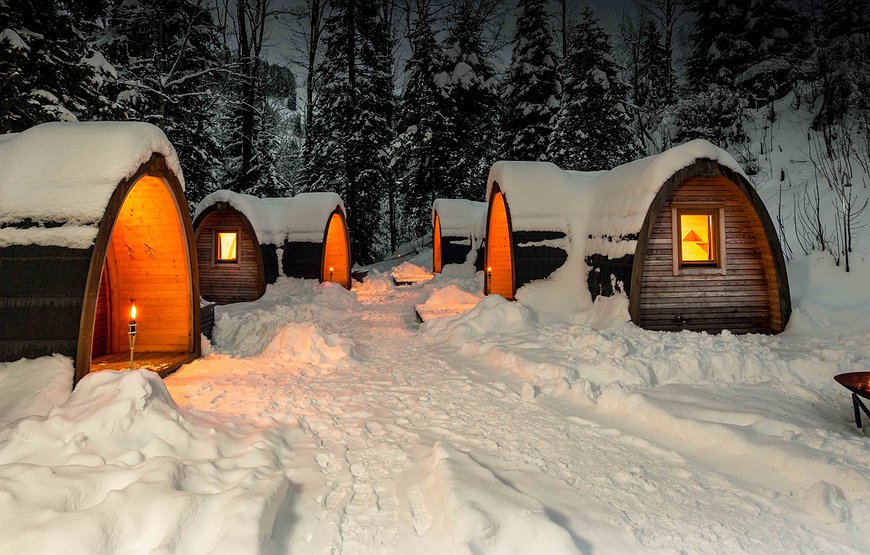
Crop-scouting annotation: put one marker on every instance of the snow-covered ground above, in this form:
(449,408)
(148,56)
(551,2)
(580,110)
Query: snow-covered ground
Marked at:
(330,421)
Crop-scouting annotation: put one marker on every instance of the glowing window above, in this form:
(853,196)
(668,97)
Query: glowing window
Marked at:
(698,234)
(227,246)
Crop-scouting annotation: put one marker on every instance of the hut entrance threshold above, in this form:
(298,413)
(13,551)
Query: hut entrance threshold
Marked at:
(161,362)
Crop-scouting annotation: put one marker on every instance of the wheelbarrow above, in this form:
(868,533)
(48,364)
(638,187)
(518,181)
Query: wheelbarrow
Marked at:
(859,384)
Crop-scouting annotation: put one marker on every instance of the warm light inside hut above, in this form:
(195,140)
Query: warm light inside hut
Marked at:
(436,246)
(228,246)
(146,260)
(696,238)
(335,256)
(500,278)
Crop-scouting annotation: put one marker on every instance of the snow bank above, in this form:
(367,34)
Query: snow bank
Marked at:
(451,295)
(121,469)
(409,271)
(302,218)
(63,174)
(307,343)
(32,387)
(463,501)
(247,329)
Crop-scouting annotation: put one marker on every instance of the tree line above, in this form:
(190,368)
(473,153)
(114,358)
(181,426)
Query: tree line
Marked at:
(406,101)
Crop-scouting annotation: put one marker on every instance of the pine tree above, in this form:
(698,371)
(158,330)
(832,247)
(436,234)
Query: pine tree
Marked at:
(351,132)
(47,70)
(720,51)
(424,129)
(651,76)
(715,114)
(470,84)
(843,59)
(776,41)
(533,88)
(167,56)
(592,130)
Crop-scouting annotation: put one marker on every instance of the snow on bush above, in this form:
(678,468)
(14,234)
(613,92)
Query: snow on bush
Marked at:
(32,387)
(121,468)
(462,500)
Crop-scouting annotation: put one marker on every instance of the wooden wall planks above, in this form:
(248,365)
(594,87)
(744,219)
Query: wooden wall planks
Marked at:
(744,299)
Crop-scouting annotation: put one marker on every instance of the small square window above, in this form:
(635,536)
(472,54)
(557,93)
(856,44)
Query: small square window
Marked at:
(697,237)
(227,246)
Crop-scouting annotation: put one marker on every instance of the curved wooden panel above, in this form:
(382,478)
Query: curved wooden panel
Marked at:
(336,251)
(145,244)
(499,277)
(436,246)
(225,283)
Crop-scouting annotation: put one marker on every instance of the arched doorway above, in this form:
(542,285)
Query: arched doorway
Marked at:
(436,246)
(146,262)
(499,269)
(336,251)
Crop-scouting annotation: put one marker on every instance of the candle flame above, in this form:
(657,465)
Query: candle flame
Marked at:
(489,269)
(331,269)
(133,311)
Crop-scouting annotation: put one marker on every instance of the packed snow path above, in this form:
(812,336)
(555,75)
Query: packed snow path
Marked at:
(406,447)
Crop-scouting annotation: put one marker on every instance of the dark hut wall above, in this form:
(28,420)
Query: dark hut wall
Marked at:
(534,258)
(302,259)
(231,282)
(745,299)
(35,304)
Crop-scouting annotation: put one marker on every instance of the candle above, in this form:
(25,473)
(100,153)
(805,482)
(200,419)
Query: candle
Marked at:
(131,330)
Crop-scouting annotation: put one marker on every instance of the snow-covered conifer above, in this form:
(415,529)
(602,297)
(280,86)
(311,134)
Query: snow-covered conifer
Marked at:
(592,130)
(48,72)
(533,90)
(167,57)
(420,155)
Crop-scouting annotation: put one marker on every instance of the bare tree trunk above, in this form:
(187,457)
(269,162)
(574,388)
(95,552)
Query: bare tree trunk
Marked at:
(563,5)
(247,107)
(313,42)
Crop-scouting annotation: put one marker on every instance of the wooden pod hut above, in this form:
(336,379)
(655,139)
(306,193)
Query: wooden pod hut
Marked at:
(458,228)
(93,220)
(682,234)
(244,243)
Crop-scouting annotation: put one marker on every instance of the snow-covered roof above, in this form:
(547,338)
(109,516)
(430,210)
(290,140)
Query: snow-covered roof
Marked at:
(460,217)
(59,177)
(602,205)
(622,196)
(302,218)
(540,195)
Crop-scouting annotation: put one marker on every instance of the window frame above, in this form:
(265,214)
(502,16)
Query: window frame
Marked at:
(717,265)
(216,261)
